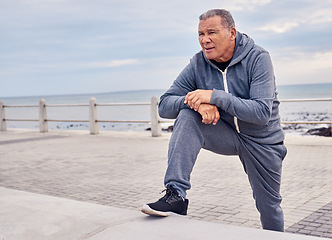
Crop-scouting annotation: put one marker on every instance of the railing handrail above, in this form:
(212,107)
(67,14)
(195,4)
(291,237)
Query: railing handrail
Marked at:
(19,106)
(93,119)
(306,122)
(148,103)
(21,120)
(82,105)
(68,105)
(306,100)
(123,104)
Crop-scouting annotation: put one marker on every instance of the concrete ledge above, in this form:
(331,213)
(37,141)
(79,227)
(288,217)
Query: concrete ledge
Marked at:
(25,215)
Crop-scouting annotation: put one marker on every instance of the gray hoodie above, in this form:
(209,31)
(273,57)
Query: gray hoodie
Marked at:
(245,93)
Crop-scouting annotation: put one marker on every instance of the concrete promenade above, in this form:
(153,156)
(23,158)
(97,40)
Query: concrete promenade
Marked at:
(100,182)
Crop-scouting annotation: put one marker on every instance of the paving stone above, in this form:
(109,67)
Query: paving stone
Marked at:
(316,234)
(317,224)
(293,230)
(327,235)
(304,231)
(313,224)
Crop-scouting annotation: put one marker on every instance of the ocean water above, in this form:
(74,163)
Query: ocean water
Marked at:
(289,111)
(305,111)
(323,90)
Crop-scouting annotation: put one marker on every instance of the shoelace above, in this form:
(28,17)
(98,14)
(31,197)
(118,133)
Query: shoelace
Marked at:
(171,195)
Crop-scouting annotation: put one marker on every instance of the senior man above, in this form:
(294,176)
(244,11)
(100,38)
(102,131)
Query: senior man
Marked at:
(225,101)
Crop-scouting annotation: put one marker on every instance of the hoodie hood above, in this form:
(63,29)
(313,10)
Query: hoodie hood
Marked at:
(243,45)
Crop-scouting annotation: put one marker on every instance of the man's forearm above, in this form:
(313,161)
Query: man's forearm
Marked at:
(170,106)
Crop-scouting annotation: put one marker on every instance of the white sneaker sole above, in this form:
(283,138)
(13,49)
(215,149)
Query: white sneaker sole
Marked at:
(147,210)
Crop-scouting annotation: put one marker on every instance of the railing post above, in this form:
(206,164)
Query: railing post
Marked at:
(331,116)
(43,126)
(155,119)
(3,125)
(94,128)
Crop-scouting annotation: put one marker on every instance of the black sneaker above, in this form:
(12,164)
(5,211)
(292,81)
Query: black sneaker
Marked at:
(172,202)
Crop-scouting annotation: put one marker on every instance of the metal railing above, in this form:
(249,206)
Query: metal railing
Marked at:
(93,121)
(308,100)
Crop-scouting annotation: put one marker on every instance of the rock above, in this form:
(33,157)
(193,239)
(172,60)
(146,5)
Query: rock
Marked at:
(323,131)
(169,129)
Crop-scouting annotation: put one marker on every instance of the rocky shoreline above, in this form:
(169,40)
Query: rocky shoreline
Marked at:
(322,131)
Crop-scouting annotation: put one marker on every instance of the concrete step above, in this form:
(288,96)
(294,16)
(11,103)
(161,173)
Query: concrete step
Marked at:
(25,215)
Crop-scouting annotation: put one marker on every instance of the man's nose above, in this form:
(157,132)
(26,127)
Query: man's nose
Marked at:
(206,39)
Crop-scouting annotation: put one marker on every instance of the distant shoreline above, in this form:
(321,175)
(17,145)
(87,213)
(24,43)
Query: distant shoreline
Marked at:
(324,131)
(325,86)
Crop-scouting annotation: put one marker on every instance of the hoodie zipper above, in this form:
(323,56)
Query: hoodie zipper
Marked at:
(226,90)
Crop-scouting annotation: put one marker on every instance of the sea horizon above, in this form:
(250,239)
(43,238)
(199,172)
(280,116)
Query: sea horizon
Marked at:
(326,87)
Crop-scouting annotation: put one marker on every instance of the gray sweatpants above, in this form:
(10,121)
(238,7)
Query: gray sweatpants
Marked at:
(262,163)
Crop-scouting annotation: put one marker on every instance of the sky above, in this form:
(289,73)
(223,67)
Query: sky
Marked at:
(55,47)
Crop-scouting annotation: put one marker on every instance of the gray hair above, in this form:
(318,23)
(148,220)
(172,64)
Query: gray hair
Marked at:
(227,19)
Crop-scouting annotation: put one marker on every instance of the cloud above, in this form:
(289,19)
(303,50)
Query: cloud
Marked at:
(279,26)
(321,16)
(241,5)
(111,64)
(37,69)
(145,44)
(306,15)
(294,67)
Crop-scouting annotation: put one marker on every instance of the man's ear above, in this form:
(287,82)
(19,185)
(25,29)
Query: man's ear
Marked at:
(232,33)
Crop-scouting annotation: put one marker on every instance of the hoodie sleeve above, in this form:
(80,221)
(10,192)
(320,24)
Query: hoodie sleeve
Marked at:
(258,108)
(172,101)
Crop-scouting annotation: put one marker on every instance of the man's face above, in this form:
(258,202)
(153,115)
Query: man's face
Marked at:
(216,41)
